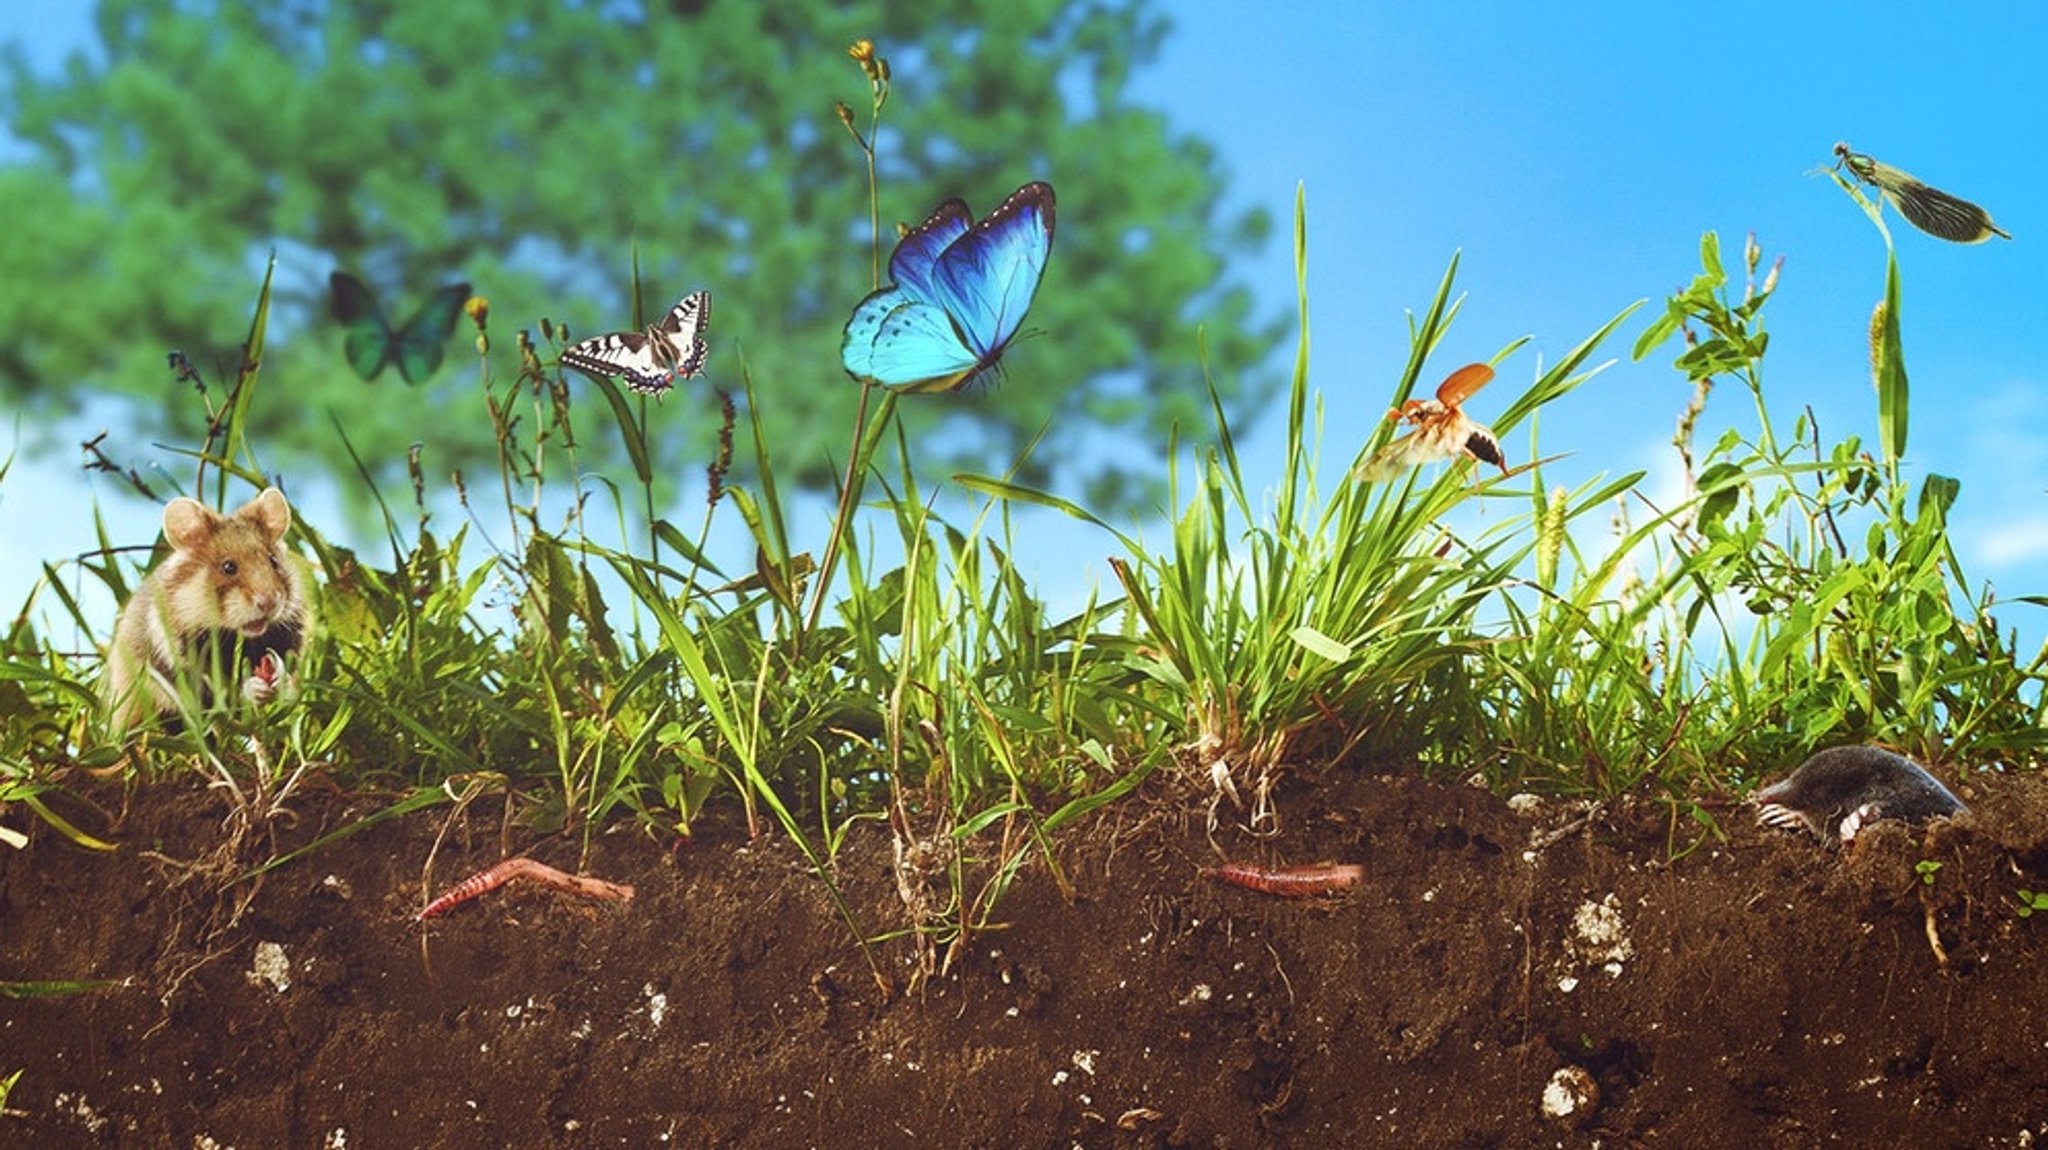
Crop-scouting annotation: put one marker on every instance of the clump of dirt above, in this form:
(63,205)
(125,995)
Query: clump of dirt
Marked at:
(1510,974)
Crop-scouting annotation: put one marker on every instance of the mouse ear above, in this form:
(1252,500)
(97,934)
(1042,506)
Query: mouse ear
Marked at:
(188,523)
(271,513)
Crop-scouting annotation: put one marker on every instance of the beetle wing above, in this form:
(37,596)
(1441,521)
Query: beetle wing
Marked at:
(1462,383)
(1423,445)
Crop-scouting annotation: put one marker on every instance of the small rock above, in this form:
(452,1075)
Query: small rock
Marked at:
(272,967)
(1570,1096)
(1599,936)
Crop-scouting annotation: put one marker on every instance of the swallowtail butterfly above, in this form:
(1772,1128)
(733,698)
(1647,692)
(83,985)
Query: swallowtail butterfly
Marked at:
(650,361)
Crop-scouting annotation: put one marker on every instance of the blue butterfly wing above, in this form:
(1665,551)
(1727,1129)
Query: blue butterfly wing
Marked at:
(857,346)
(905,344)
(961,291)
(917,254)
(988,277)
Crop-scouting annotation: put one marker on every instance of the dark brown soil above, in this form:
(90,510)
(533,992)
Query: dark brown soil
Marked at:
(1760,991)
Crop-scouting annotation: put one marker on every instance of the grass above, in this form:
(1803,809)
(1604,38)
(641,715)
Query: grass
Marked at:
(905,675)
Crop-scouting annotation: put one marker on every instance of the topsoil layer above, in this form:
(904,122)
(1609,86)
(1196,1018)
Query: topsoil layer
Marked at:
(1757,990)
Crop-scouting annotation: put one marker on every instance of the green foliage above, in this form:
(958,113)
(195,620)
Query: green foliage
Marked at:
(2030,901)
(47,989)
(525,146)
(1887,345)
(42,700)
(1860,620)
(1332,625)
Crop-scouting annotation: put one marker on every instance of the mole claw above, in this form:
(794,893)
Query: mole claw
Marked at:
(1771,814)
(1854,820)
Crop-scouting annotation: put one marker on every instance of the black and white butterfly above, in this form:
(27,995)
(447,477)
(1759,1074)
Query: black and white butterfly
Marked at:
(650,361)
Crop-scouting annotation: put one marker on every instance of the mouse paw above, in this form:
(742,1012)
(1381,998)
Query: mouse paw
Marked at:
(261,686)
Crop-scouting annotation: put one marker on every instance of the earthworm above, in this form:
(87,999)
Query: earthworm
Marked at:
(493,877)
(1290,881)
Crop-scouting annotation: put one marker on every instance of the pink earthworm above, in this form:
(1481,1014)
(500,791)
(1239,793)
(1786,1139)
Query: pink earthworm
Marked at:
(1290,881)
(493,877)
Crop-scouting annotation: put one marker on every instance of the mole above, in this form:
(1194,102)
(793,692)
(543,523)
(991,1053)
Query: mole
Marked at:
(1841,790)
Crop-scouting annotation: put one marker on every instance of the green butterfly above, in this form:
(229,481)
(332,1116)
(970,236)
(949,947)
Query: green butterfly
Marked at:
(371,341)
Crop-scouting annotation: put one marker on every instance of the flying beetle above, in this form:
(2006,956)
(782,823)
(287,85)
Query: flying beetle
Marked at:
(1930,209)
(1442,429)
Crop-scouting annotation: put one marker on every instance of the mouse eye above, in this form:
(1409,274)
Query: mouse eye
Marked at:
(228,568)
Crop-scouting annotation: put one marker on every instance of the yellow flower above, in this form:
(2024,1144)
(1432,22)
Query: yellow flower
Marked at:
(479,310)
(874,67)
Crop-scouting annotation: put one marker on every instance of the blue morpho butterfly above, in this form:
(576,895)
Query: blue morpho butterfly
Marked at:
(371,341)
(961,288)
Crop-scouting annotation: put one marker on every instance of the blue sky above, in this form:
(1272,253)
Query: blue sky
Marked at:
(1574,153)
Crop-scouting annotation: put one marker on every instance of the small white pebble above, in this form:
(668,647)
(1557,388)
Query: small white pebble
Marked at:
(271,966)
(1571,1093)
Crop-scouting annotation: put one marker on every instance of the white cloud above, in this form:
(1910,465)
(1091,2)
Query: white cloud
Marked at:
(2009,543)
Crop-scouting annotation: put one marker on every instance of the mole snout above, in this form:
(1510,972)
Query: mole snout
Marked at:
(1838,791)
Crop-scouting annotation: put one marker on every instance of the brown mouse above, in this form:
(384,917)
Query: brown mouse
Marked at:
(227,602)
